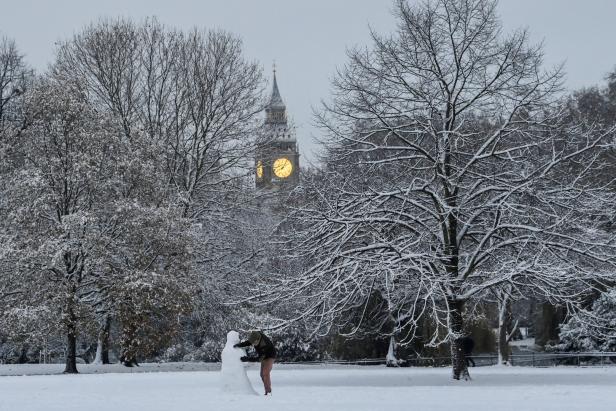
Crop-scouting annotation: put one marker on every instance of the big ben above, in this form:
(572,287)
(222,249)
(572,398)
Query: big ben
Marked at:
(277,160)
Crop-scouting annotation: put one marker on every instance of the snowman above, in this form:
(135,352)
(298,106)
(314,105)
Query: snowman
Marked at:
(233,372)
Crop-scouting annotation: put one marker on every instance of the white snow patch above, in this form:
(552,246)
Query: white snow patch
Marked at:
(233,374)
(321,388)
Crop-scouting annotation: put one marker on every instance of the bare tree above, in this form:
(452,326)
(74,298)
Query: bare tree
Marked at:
(14,78)
(452,170)
(194,95)
(506,327)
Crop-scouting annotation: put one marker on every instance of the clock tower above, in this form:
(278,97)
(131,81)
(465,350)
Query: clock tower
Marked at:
(277,159)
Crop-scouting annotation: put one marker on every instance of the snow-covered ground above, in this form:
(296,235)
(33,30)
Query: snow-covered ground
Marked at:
(47,369)
(320,388)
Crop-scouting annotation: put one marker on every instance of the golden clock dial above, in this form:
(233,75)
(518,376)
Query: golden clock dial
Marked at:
(282,167)
(259,169)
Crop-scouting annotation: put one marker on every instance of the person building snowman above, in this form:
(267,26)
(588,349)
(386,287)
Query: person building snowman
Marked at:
(267,354)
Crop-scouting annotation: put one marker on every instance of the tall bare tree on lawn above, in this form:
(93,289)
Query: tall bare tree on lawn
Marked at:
(453,169)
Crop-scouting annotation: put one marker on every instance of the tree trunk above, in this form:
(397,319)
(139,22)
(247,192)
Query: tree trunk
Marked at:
(504,326)
(549,322)
(390,359)
(102,346)
(23,355)
(105,353)
(458,359)
(71,350)
(98,358)
(71,334)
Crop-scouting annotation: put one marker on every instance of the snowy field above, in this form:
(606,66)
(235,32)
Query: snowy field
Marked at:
(300,388)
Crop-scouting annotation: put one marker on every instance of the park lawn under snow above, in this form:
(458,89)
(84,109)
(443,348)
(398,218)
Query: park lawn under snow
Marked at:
(299,388)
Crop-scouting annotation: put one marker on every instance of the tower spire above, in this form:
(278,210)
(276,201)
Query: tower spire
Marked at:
(277,162)
(276,100)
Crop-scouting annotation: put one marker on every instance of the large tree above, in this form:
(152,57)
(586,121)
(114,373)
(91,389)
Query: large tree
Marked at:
(53,197)
(452,170)
(187,106)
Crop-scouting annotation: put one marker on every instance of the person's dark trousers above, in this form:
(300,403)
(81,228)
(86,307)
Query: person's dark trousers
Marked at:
(470,362)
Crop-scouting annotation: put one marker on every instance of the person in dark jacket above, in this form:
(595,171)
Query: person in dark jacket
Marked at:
(468,344)
(267,354)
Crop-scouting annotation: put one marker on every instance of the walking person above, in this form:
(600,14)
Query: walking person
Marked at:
(468,344)
(267,354)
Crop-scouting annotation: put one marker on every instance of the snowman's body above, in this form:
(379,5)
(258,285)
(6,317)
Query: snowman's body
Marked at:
(233,372)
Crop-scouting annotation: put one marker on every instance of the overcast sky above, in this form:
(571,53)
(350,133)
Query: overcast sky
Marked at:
(308,38)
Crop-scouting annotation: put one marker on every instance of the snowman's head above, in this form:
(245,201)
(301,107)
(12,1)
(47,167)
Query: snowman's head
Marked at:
(233,337)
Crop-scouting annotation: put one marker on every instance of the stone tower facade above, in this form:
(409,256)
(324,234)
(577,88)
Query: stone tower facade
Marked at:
(277,159)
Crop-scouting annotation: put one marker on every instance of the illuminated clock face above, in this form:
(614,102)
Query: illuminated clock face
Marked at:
(282,167)
(259,169)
